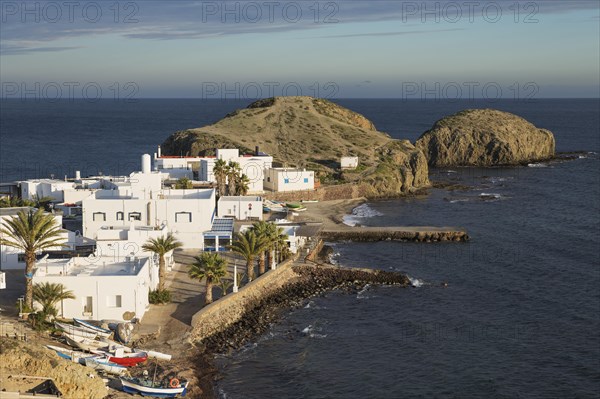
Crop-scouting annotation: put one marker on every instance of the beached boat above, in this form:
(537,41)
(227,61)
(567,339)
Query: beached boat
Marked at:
(85,344)
(102,332)
(147,387)
(114,345)
(74,330)
(123,359)
(155,354)
(103,364)
(69,354)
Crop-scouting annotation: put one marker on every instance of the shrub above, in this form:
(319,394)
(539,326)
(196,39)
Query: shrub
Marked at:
(158,297)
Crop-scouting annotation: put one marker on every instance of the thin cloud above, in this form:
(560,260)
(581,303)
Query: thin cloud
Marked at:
(19,50)
(379,34)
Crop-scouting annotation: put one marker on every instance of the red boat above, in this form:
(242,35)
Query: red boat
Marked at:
(125,359)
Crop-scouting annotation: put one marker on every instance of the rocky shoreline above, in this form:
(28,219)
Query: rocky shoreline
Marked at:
(311,281)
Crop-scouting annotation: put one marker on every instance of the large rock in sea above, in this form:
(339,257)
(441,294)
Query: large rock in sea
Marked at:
(313,133)
(485,137)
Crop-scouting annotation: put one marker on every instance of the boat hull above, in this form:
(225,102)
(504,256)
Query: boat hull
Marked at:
(132,387)
(103,365)
(75,331)
(101,332)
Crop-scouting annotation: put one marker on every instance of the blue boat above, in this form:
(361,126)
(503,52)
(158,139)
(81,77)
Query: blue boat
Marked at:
(147,387)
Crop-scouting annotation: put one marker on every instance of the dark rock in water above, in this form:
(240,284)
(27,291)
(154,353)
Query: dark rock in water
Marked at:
(485,137)
(311,281)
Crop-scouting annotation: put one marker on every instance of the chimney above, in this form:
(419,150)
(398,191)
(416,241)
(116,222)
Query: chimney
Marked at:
(159,152)
(77,175)
(146,162)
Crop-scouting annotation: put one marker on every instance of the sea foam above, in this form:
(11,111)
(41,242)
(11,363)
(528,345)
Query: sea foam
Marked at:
(360,213)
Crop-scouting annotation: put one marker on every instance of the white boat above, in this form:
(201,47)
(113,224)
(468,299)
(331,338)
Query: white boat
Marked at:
(69,354)
(74,330)
(85,344)
(102,364)
(102,332)
(147,387)
(114,345)
(155,354)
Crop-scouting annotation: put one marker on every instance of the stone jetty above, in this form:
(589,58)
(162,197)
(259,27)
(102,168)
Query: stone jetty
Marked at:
(397,233)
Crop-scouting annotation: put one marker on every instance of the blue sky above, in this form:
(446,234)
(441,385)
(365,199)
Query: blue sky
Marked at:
(215,49)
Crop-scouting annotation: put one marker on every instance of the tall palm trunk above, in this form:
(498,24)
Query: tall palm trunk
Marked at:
(29,265)
(209,289)
(261,264)
(162,272)
(250,268)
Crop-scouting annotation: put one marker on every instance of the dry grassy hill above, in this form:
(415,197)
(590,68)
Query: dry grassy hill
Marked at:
(312,133)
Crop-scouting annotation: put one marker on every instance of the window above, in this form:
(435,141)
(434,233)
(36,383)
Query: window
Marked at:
(183,217)
(120,216)
(286,181)
(99,217)
(268,178)
(306,180)
(113,301)
(88,305)
(135,216)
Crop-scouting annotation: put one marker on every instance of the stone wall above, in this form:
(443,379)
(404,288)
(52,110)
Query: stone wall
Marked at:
(324,193)
(224,312)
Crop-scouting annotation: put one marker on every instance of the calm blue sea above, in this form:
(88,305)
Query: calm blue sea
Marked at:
(520,317)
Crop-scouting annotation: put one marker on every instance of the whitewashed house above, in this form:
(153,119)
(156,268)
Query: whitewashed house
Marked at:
(140,200)
(104,287)
(201,168)
(286,179)
(349,162)
(240,207)
(12,258)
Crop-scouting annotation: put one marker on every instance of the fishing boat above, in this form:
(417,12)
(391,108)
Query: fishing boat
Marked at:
(102,332)
(69,354)
(103,364)
(148,387)
(155,354)
(85,344)
(123,359)
(114,345)
(75,331)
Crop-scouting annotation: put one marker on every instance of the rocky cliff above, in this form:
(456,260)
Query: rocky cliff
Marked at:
(312,133)
(485,137)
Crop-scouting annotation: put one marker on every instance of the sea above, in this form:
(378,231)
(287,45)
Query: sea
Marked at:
(514,313)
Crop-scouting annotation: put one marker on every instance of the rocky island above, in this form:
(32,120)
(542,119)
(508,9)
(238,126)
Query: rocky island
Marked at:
(313,133)
(485,137)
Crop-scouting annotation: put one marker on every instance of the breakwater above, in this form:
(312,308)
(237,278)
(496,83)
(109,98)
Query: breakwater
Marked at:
(237,319)
(415,234)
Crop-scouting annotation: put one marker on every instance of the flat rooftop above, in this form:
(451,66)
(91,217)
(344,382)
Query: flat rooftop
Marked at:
(241,198)
(89,267)
(14,211)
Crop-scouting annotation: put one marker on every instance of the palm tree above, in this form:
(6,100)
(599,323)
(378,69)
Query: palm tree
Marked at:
(233,175)
(48,295)
(249,245)
(184,183)
(220,173)
(31,232)
(210,266)
(242,185)
(161,246)
(261,229)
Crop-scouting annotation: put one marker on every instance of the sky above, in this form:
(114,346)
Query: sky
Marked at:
(331,49)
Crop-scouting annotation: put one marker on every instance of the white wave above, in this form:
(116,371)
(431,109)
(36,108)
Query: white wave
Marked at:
(360,213)
(333,258)
(318,336)
(582,157)
(307,330)
(415,282)
(361,293)
(458,200)
(491,195)
(537,165)
(450,171)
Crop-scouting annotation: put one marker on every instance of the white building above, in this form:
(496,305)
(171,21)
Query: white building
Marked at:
(120,242)
(285,179)
(40,188)
(12,258)
(240,207)
(201,168)
(349,162)
(104,288)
